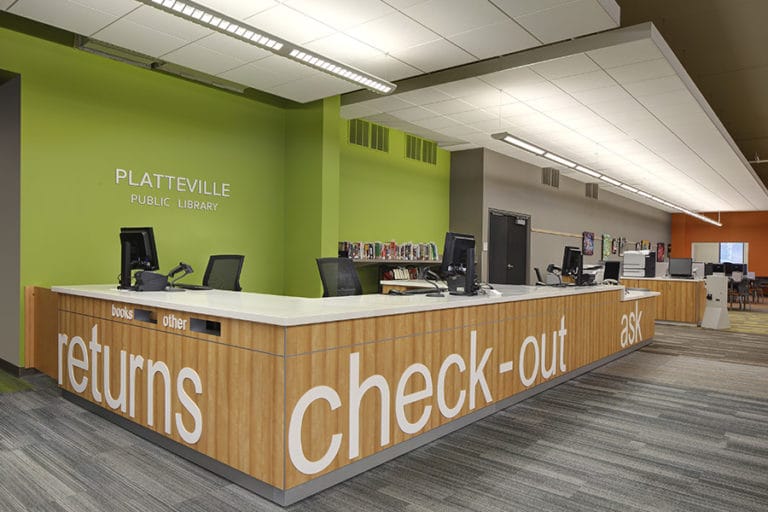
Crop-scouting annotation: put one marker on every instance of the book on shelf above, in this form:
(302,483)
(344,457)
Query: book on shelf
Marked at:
(408,251)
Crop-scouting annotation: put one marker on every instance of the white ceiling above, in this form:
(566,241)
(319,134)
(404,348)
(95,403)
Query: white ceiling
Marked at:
(393,39)
(628,110)
(618,102)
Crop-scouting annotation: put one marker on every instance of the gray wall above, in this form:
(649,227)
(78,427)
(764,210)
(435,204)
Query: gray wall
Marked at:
(515,186)
(10,169)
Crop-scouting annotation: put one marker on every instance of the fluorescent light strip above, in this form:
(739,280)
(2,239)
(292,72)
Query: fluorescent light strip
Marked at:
(559,159)
(587,170)
(510,139)
(231,27)
(610,180)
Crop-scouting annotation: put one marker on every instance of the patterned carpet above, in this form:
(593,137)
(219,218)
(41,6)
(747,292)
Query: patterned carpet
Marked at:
(755,321)
(679,425)
(9,383)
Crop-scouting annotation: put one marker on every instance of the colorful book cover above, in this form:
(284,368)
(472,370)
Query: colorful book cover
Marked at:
(588,243)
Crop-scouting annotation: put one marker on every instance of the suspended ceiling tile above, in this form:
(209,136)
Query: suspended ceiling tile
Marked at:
(473,116)
(140,38)
(640,71)
(424,96)
(200,58)
(450,17)
(491,100)
(412,114)
(435,55)
(114,7)
(392,32)
(565,66)
(514,110)
(287,68)
(161,21)
(239,10)
(387,67)
(389,103)
(232,47)
(404,4)
(567,20)
(253,76)
(312,88)
(594,96)
(345,49)
(436,123)
(656,86)
(499,38)
(555,102)
(460,146)
(468,87)
(513,77)
(516,8)
(4,4)
(358,110)
(624,54)
(451,106)
(290,25)
(64,14)
(341,14)
(587,81)
(527,92)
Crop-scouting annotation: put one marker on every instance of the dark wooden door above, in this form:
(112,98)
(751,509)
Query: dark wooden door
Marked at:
(508,248)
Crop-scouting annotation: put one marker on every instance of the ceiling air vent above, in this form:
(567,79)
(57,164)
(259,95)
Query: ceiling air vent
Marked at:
(368,135)
(591,190)
(420,149)
(550,177)
(379,137)
(358,132)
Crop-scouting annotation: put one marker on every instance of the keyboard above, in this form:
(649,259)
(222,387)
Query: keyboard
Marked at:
(192,286)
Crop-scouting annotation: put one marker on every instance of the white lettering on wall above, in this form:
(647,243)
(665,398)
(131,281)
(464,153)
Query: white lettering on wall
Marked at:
(158,183)
(295,448)
(630,327)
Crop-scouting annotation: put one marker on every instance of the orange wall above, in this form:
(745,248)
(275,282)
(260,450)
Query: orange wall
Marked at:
(749,227)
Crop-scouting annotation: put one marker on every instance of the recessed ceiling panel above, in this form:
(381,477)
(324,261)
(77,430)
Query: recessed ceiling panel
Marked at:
(567,20)
(64,14)
(139,38)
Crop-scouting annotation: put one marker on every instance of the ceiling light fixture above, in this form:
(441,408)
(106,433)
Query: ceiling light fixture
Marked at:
(243,32)
(520,143)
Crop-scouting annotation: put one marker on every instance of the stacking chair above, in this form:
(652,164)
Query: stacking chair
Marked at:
(339,277)
(223,272)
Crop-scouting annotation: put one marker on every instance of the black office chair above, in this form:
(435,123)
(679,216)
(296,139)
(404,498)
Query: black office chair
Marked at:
(223,272)
(539,280)
(339,277)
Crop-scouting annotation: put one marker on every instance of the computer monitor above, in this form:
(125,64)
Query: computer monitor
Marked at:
(455,253)
(612,270)
(680,267)
(458,265)
(137,252)
(717,268)
(572,263)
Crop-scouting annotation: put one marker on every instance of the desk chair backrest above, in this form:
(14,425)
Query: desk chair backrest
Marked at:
(223,272)
(539,279)
(339,277)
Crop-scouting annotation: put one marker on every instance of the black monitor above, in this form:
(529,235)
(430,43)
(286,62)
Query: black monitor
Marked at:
(717,268)
(458,266)
(680,267)
(612,270)
(455,253)
(572,263)
(137,252)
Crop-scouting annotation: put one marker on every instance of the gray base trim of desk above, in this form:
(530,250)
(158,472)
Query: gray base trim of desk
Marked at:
(300,492)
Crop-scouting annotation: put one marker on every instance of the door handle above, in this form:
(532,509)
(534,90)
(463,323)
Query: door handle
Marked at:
(510,266)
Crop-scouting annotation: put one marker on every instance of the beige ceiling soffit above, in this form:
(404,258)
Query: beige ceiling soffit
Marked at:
(612,9)
(513,60)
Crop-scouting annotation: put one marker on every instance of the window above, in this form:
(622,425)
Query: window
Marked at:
(732,252)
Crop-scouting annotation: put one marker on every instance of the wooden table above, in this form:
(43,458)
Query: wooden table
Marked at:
(287,396)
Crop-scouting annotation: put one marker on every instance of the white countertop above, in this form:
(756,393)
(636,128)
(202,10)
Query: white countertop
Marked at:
(413,283)
(676,279)
(289,311)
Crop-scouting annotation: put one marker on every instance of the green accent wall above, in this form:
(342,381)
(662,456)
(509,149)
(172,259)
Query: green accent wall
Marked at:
(83,116)
(297,187)
(385,196)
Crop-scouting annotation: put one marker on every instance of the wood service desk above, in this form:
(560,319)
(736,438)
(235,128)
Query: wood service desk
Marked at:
(681,300)
(288,396)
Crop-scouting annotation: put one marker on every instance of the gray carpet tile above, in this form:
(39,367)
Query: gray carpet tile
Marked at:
(680,425)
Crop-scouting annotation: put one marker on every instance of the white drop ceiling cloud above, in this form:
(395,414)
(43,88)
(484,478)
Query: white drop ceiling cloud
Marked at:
(618,102)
